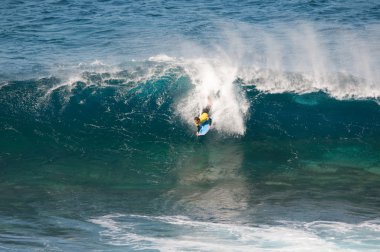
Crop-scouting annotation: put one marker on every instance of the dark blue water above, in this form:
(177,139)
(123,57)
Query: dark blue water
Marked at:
(98,149)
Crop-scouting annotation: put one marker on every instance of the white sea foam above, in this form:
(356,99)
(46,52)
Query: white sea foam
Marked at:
(162,58)
(3,84)
(213,81)
(179,233)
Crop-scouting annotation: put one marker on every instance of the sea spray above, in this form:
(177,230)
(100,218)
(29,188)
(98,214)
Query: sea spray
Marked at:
(302,58)
(214,84)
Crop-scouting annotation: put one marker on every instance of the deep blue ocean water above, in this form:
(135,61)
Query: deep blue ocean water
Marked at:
(98,149)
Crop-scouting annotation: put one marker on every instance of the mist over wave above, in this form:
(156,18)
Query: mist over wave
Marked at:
(305,57)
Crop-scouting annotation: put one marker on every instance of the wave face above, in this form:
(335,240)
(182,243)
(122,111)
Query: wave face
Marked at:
(147,109)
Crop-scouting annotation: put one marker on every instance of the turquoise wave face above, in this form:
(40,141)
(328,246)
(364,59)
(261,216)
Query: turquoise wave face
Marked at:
(121,130)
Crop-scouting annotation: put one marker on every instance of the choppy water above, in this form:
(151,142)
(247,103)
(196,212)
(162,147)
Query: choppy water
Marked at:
(97,145)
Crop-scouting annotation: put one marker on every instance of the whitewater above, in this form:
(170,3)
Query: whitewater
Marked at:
(97,142)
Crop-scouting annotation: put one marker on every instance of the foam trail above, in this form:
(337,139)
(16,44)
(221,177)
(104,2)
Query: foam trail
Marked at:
(128,230)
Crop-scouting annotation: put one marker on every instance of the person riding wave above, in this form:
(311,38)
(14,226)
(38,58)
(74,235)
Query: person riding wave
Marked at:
(204,118)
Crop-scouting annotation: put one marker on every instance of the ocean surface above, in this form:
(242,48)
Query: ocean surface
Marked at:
(98,149)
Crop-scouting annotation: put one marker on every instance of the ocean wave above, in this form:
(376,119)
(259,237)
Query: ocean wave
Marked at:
(164,95)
